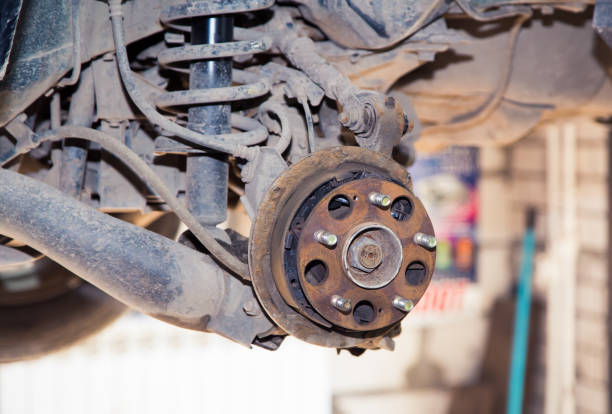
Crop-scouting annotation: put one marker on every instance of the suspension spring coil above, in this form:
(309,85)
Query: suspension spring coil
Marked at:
(176,59)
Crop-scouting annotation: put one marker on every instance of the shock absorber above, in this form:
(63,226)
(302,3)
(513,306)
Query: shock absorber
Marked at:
(211,92)
(207,174)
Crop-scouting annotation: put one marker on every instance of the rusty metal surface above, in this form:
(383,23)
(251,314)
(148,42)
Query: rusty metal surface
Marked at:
(9,13)
(370,24)
(383,123)
(377,121)
(268,231)
(42,49)
(147,271)
(338,282)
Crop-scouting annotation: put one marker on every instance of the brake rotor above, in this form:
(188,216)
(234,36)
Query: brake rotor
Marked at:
(332,252)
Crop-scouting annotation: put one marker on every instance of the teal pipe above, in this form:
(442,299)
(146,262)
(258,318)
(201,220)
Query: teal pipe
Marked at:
(516,384)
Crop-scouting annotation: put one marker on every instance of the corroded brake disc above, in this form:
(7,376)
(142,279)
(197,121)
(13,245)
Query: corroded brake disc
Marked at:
(341,249)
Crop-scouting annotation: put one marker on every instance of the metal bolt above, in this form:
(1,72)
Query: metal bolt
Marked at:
(370,256)
(365,254)
(340,303)
(425,240)
(380,200)
(326,238)
(403,304)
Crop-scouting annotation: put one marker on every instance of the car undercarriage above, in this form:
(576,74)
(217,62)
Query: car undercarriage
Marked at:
(127,123)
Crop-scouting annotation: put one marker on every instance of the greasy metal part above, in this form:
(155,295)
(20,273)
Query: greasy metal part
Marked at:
(301,53)
(425,240)
(276,215)
(284,127)
(258,175)
(9,13)
(225,143)
(380,200)
(55,110)
(76,47)
(42,53)
(500,12)
(207,174)
(403,304)
(111,186)
(140,167)
(211,52)
(326,238)
(74,153)
(342,304)
(378,121)
(379,254)
(533,93)
(465,121)
(144,270)
(374,289)
(371,24)
(113,104)
(25,137)
(207,187)
(178,13)
(298,85)
(365,254)
(379,70)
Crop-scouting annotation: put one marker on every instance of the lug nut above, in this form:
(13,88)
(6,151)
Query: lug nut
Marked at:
(403,304)
(380,200)
(326,238)
(425,240)
(342,304)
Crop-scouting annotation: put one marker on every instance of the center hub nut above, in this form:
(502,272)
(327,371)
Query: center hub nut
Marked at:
(365,254)
(364,260)
(370,256)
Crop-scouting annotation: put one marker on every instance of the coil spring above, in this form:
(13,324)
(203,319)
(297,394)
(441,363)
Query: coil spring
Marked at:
(251,86)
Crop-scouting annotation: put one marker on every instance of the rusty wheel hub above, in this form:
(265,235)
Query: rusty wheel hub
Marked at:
(333,254)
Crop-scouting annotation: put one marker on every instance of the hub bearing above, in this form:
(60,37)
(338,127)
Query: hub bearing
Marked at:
(332,248)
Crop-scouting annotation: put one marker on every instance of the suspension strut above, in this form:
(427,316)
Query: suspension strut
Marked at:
(207,174)
(211,92)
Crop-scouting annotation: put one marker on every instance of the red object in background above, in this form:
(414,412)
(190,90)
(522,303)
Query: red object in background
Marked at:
(464,253)
(444,295)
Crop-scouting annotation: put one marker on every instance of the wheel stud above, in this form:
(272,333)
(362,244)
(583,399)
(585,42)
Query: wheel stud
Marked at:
(403,304)
(340,303)
(425,240)
(326,238)
(380,200)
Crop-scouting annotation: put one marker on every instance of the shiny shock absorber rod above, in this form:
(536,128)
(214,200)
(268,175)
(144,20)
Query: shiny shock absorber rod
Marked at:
(207,174)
